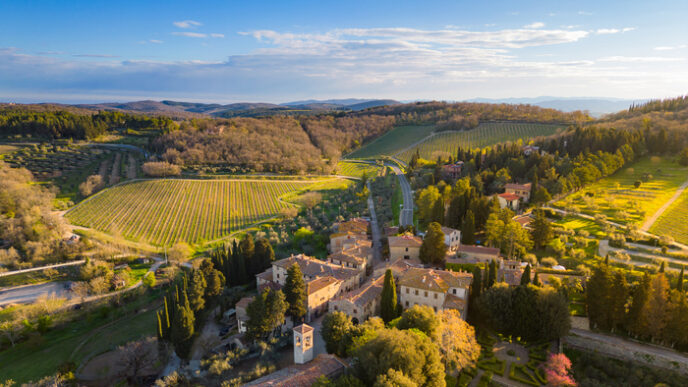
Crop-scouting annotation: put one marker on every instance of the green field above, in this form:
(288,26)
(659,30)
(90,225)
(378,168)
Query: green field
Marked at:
(674,221)
(357,169)
(486,134)
(392,142)
(163,212)
(575,223)
(617,198)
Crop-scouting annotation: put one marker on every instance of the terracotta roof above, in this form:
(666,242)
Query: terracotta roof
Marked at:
(303,328)
(453,302)
(509,196)
(368,292)
(352,235)
(435,280)
(266,275)
(478,250)
(313,267)
(303,375)
(522,187)
(523,220)
(346,256)
(356,225)
(405,241)
(448,230)
(320,283)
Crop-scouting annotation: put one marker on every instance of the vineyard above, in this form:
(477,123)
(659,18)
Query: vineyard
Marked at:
(163,212)
(673,220)
(392,142)
(486,134)
(357,169)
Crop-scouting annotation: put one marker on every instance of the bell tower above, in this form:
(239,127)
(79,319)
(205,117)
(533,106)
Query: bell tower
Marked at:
(303,344)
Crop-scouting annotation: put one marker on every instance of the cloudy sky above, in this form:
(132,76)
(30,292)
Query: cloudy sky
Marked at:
(231,51)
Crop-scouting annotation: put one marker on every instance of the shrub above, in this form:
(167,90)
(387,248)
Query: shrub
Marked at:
(511,352)
(520,374)
(549,262)
(161,169)
(485,379)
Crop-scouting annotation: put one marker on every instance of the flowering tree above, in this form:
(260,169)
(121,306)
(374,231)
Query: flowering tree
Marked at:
(557,371)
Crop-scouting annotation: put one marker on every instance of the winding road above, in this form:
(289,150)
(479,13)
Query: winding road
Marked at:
(406,214)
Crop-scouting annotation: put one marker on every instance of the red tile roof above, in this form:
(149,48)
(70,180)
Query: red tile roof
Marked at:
(478,249)
(405,241)
(509,196)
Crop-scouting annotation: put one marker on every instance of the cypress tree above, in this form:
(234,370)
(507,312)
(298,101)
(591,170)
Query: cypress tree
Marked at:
(468,229)
(525,277)
(247,251)
(295,293)
(536,280)
(477,282)
(634,319)
(196,291)
(679,282)
(492,274)
(662,267)
(183,328)
(438,211)
(388,303)
(160,332)
(264,254)
(433,250)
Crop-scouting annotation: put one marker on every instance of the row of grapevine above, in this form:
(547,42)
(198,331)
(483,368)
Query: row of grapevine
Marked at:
(485,134)
(357,169)
(163,212)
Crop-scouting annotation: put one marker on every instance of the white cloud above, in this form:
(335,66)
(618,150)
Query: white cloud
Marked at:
(606,31)
(155,41)
(639,59)
(187,24)
(191,34)
(585,13)
(94,56)
(534,25)
(214,35)
(669,48)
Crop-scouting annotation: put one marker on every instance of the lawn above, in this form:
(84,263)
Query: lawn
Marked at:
(673,221)
(392,142)
(576,223)
(44,355)
(617,198)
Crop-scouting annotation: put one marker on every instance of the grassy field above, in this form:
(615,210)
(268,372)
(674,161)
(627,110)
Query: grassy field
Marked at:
(392,142)
(484,135)
(33,359)
(617,198)
(163,212)
(674,221)
(357,169)
(575,223)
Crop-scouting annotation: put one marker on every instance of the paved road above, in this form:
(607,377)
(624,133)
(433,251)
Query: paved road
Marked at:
(651,220)
(42,268)
(30,293)
(406,214)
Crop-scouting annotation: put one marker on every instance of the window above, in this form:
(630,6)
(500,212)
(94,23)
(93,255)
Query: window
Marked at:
(277,275)
(454,291)
(426,294)
(435,308)
(435,295)
(407,304)
(355,311)
(416,292)
(407,249)
(407,290)
(335,307)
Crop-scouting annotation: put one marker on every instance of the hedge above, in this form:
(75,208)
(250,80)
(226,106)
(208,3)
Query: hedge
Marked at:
(525,376)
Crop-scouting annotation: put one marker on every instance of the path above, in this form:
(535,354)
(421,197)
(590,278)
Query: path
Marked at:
(73,263)
(406,214)
(651,220)
(30,293)
(627,349)
(374,228)
(604,248)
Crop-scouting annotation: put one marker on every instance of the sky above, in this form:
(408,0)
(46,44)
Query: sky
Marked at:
(74,51)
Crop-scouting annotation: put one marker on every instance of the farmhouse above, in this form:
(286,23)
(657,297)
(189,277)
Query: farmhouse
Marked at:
(355,225)
(340,240)
(357,256)
(475,254)
(241,315)
(521,190)
(312,268)
(509,200)
(511,272)
(404,247)
(530,149)
(452,238)
(439,289)
(452,171)
(319,292)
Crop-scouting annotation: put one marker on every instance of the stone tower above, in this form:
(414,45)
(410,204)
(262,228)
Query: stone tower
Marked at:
(303,344)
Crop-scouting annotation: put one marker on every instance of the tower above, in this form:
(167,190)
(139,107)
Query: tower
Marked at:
(303,344)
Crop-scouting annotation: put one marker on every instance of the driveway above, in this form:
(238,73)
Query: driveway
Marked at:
(30,293)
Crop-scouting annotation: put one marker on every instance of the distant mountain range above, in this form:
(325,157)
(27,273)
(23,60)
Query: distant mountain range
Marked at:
(245,109)
(595,106)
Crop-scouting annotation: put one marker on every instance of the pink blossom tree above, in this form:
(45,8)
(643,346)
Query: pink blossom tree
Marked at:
(557,371)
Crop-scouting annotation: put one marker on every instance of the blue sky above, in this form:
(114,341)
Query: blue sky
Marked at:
(278,51)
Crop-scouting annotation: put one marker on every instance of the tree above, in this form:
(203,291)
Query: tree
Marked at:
(295,293)
(135,357)
(679,281)
(179,253)
(597,297)
(426,202)
(456,341)
(654,312)
(421,317)
(676,331)
(149,279)
(182,330)
(388,302)
(10,330)
(265,313)
(542,230)
(410,353)
(634,318)
(264,254)
(557,371)
(247,250)
(536,280)
(394,378)
(335,328)
(468,229)
(618,296)
(552,309)
(525,277)
(433,250)
(477,285)
(196,292)
(492,274)
(506,233)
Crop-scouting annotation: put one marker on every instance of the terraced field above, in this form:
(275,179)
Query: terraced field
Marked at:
(485,134)
(357,169)
(674,221)
(163,212)
(617,198)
